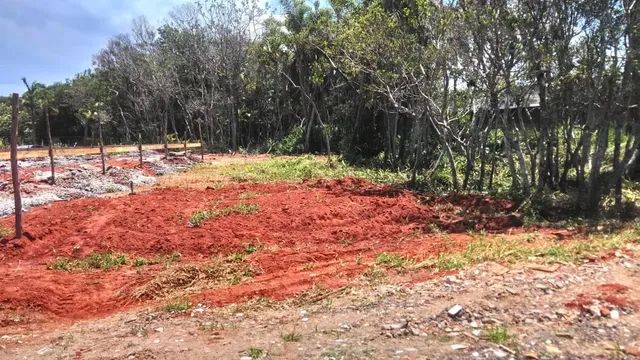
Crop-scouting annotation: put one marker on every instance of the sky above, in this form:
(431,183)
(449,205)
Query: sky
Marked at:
(52,40)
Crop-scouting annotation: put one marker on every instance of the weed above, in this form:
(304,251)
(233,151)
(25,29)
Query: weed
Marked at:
(300,168)
(198,217)
(391,260)
(251,248)
(96,260)
(255,353)
(247,195)
(292,336)
(111,188)
(104,261)
(4,232)
(62,264)
(498,334)
(451,262)
(139,262)
(236,257)
(245,208)
(176,306)
(374,275)
(217,185)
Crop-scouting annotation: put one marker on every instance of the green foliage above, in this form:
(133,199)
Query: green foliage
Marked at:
(96,260)
(498,334)
(391,260)
(255,353)
(177,306)
(198,217)
(290,144)
(304,167)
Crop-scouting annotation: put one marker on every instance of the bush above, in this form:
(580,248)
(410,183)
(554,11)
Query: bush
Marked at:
(290,144)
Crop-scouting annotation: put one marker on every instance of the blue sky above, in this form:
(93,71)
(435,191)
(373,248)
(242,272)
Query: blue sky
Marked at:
(52,40)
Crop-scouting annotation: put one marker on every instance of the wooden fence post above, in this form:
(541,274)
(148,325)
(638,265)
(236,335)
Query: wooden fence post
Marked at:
(104,168)
(53,170)
(140,148)
(14,165)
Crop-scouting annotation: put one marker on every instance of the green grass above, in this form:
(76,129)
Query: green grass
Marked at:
(300,168)
(292,337)
(200,216)
(255,353)
(391,260)
(484,249)
(96,260)
(251,248)
(140,262)
(498,334)
(176,306)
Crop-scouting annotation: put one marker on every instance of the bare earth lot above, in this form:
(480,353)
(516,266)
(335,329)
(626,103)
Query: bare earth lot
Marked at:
(319,269)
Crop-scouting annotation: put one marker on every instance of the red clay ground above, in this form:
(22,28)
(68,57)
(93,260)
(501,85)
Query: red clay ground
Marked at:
(311,234)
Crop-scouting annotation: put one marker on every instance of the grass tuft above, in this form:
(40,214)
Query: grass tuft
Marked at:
(498,334)
(292,336)
(176,306)
(96,260)
(391,260)
(200,216)
(255,353)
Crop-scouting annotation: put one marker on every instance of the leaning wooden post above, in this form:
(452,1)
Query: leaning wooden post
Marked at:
(140,148)
(53,170)
(104,168)
(14,165)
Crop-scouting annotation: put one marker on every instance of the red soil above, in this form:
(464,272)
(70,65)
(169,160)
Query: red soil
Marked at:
(611,294)
(337,226)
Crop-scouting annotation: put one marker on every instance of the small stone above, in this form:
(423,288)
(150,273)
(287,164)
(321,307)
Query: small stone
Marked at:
(532,356)
(552,349)
(615,314)
(455,310)
(44,351)
(458,346)
(595,311)
(246,358)
(160,329)
(396,326)
(156,341)
(499,353)
(474,324)
(604,311)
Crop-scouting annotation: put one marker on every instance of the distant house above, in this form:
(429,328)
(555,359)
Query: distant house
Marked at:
(524,106)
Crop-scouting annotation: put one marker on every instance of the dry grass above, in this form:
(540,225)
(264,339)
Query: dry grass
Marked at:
(193,278)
